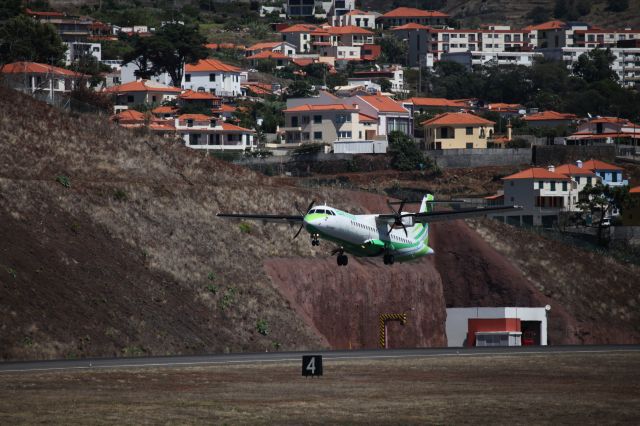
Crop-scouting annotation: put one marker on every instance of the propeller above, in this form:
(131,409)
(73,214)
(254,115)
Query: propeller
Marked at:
(398,216)
(302,214)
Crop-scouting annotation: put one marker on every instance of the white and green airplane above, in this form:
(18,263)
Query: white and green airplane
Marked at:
(401,236)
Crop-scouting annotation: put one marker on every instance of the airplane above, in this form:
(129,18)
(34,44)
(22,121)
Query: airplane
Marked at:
(400,236)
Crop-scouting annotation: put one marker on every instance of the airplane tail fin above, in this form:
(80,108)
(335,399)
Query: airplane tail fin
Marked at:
(426,206)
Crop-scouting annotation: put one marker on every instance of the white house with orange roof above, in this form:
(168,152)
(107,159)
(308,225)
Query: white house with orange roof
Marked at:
(391,115)
(213,76)
(132,119)
(287,49)
(201,131)
(406,15)
(299,35)
(356,18)
(141,92)
(548,35)
(606,130)
(325,123)
(610,174)
(279,59)
(33,77)
(550,119)
(457,130)
(542,193)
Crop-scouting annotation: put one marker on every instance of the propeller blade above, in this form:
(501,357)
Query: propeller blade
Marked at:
(309,208)
(298,233)
(405,230)
(401,207)
(295,203)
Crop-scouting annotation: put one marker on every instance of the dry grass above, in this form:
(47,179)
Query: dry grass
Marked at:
(541,389)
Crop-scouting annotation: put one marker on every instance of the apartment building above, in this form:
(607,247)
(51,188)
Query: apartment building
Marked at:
(299,35)
(457,130)
(596,37)
(324,123)
(356,18)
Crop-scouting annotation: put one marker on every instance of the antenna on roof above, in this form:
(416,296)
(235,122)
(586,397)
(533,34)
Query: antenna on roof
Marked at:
(589,115)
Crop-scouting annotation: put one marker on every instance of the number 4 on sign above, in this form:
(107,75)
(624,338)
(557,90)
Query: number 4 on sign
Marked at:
(312,365)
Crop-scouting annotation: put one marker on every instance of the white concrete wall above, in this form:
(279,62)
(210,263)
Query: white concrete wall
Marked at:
(224,84)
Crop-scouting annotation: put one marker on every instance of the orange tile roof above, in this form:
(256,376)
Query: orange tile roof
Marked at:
(164,110)
(142,86)
(356,12)
(366,118)
(162,126)
(348,29)
(635,190)
(265,45)
(233,128)
(536,173)
(36,68)
(410,12)
(549,115)
(437,102)
(573,170)
(599,165)
(383,103)
(303,62)
(325,107)
(300,28)
(195,117)
(499,106)
(210,65)
(267,54)
(612,120)
(227,108)
(42,13)
(128,115)
(191,95)
(216,46)
(456,118)
(410,26)
(545,26)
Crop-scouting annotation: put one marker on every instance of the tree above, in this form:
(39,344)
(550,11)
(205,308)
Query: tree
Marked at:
(299,89)
(405,153)
(138,54)
(617,5)
(595,66)
(393,51)
(385,84)
(561,10)
(538,15)
(168,50)
(24,39)
(601,200)
(10,9)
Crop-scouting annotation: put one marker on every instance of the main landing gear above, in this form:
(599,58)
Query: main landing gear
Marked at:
(315,239)
(388,259)
(342,259)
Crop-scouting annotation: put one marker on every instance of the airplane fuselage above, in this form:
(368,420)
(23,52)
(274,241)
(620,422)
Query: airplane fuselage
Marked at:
(364,236)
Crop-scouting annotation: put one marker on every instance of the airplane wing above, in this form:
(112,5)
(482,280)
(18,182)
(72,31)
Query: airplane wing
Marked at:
(277,218)
(428,217)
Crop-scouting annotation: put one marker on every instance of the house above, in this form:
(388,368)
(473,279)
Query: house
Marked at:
(390,115)
(356,18)
(610,174)
(550,119)
(551,34)
(202,99)
(299,35)
(33,77)
(393,74)
(201,131)
(213,76)
(507,110)
(132,119)
(280,60)
(456,130)
(631,215)
(605,130)
(164,112)
(343,43)
(283,47)
(322,124)
(541,193)
(406,15)
(141,92)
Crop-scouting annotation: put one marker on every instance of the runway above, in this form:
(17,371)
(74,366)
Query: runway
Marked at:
(283,357)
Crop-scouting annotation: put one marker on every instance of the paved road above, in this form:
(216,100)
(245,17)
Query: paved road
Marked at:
(275,357)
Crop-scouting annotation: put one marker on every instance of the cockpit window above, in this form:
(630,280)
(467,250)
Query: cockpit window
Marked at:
(312,211)
(320,211)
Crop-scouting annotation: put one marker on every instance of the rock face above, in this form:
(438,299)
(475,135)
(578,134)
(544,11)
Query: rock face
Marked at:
(344,303)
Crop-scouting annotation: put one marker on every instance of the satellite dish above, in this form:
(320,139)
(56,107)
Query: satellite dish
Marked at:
(547,308)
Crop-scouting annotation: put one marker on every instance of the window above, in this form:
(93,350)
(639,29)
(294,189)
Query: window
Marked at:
(469,145)
(317,136)
(564,186)
(189,123)
(541,185)
(129,98)
(614,177)
(317,119)
(589,180)
(212,77)
(553,186)
(469,130)
(344,135)
(305,119)
(187,78)
(294,121)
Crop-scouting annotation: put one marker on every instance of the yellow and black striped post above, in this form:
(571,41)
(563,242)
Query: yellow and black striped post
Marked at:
(384,318)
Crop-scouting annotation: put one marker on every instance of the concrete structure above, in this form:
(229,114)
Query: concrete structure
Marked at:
(77,50)
(128,74)
(214,76)
(465,325)
(422,105)
(287,49)
(606,130)
(481,57)
(360,147)
(299,35)
(208,133)
(322,124)
(610,175)
(457,130)
(394,74)
(552,34)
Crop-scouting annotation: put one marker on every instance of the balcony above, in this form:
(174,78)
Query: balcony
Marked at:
(291,129)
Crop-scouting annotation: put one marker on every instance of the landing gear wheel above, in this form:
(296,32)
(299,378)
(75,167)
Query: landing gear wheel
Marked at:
(314,240)
(343,260)
(388,259)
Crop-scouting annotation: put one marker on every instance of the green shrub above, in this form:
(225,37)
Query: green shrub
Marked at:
(262,326)
(64,181)
(245,227)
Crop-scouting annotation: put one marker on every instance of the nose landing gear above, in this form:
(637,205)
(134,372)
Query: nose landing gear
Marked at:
(342,258)
(315,239)
(388,259)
